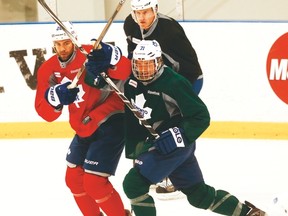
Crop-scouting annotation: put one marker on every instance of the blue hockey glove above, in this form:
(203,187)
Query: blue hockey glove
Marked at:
(61,95)
(169,140)
(99,60)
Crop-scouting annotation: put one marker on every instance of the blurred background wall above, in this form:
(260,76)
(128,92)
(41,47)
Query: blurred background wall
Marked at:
(100,10)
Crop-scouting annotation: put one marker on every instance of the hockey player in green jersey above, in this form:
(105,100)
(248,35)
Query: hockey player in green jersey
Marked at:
(145,22)
(179,116)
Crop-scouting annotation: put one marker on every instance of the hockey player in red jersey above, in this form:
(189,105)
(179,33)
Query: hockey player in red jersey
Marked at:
(95,115)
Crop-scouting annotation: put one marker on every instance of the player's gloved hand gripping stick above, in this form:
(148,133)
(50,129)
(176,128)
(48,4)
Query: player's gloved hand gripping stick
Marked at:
(60,95)
(170,140)
(101,60)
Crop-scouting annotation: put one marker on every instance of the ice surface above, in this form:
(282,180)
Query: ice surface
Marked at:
(32,175)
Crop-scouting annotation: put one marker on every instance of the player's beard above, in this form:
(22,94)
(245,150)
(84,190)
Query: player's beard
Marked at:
(64,56)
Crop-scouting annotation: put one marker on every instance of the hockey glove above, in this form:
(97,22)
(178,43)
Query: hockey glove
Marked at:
(61,95)
(169,140)
(99,60)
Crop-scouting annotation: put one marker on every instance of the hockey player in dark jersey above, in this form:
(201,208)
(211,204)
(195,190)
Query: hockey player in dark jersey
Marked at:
(179,116)
(145,22)
(95,115)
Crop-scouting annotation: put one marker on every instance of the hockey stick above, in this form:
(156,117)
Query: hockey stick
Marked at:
(135,111)
(103,74)
(74,40)
(59,22)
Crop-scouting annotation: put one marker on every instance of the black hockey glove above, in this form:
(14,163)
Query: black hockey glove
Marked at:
(60,95)
(170,139)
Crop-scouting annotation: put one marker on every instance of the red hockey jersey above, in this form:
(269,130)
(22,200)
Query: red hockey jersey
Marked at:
(92,102)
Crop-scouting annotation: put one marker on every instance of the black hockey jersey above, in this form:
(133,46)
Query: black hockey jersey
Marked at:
(177,50)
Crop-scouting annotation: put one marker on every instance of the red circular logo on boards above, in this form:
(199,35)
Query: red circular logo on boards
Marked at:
(277,67)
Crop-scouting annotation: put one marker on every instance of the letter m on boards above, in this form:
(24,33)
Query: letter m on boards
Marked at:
(278,70)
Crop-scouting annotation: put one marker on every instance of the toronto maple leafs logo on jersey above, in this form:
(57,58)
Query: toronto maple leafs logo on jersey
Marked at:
(139,105)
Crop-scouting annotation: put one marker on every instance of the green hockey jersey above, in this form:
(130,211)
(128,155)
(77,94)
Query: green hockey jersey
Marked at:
(166,102)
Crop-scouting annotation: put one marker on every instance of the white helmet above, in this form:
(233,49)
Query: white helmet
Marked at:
(144,4)
(59,34)
(147,60)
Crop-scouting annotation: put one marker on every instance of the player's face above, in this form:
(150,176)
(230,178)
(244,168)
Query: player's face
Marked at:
(145,18)
(64,49)
(145,69)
